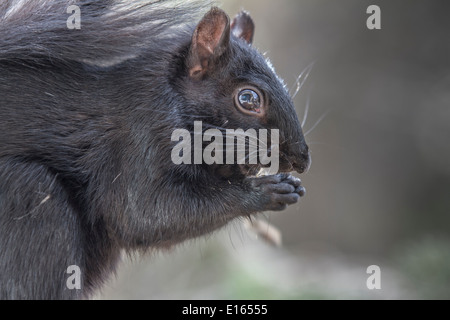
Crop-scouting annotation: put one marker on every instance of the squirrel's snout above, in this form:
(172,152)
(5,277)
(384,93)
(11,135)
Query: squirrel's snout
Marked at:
(303,164)
(300,161)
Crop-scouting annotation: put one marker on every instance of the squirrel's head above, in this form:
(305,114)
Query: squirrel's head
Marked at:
(230,85)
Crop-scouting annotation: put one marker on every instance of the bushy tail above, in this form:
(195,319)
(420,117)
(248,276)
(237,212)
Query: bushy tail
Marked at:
(110,29)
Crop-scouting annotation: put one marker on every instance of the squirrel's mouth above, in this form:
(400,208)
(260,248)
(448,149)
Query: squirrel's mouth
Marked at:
(250,170)
(258,170)
(285,166)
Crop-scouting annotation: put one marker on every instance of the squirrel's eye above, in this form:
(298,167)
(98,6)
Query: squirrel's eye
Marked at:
(249,100)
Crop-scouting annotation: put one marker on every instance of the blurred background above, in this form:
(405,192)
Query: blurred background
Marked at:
(378,192)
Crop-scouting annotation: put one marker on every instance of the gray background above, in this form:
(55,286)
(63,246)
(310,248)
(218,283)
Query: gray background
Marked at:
(378,189)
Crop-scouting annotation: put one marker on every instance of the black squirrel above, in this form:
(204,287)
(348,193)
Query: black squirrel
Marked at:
(86,118)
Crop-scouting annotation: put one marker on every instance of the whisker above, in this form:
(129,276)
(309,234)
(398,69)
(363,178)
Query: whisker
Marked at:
(301,79)
(305,115)
(317,122)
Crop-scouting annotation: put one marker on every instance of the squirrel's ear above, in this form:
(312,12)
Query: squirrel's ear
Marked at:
(243,27)
(210,40)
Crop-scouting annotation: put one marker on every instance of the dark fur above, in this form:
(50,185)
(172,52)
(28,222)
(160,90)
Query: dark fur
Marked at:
(86,118)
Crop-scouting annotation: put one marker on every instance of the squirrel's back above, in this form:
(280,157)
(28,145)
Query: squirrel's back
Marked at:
(110,30)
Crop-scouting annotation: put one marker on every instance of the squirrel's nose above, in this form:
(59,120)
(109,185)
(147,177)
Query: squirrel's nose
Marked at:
(303,163)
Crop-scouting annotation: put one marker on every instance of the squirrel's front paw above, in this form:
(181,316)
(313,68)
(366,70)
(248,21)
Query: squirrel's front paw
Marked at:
(278,191)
